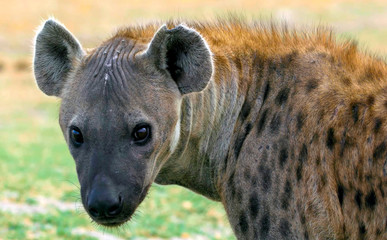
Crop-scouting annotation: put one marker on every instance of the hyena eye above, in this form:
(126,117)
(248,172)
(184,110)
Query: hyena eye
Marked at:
(76,136)
(141,133)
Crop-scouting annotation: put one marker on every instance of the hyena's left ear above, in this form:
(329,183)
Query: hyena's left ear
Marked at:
(185,55)
(56,52)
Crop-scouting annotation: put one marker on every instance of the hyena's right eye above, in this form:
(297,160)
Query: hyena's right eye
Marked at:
(76,136)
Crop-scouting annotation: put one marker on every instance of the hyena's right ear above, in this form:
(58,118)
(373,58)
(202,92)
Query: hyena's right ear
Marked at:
(55,53)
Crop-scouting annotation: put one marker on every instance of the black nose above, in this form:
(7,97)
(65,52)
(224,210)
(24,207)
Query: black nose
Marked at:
(103,202)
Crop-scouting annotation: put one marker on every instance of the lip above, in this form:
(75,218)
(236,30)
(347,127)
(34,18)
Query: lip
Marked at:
(112,223)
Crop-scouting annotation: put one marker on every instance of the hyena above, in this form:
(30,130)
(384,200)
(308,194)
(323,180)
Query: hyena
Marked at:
(287,130)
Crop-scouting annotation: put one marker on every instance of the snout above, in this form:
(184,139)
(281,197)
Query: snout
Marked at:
(106,205)
(109,203)
(103,202)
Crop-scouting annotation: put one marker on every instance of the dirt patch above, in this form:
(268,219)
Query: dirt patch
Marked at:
(95,234)
(23,65)
(41,205)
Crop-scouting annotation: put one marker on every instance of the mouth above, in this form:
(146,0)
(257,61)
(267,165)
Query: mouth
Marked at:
(111,223)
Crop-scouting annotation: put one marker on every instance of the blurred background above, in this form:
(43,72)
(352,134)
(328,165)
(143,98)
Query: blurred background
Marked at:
(39,195)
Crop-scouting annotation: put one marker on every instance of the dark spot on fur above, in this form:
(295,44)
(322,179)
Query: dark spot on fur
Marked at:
(331,141)
(302,218)
(300,120)
(303,156)
(266,92)
(284,228)
(265,174)
(275,123)
(238,63)
(231,184)
(238,145)
(254,205)
(311,84)
(245,111)
(283,156)
(248,128)
(299,171)
(370,100)
(247,174)
(346,81)
(323,180)
(254,181)
(265,225)
(287,195)
(306,235)
(241,139)
(261,122)
(379,151)
(368,177)
(318,161)
(378,124)
(224,167)
(358,197)
(340,194)
(289,58)
(370,200)
(282,96)
(362,230)
(355,112)
(243,223)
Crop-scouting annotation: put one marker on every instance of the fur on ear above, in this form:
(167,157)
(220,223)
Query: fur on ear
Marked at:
(184,54)
(55,52)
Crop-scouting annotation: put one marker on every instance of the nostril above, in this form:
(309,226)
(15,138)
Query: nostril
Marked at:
(115,208)
(94,212)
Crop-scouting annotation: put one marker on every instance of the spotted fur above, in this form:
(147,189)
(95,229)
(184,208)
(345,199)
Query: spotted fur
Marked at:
(289,134)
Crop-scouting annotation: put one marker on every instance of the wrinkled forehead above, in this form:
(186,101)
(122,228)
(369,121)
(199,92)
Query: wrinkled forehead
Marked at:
(113,78)
(110,72)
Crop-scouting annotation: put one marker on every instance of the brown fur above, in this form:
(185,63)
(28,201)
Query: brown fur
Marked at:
(307,156)
(343,82)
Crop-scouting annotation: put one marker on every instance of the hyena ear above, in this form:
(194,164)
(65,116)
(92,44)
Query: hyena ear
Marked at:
(55,53)
(183,53)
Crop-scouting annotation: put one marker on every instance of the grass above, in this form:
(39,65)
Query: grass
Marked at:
(39,195)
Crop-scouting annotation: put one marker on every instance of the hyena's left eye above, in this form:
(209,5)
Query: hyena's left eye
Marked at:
(76,136)
(141,133)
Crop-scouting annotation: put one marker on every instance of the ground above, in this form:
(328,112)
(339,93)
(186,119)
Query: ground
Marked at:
(39,196)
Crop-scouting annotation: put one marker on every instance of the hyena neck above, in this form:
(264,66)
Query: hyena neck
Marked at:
(207,123)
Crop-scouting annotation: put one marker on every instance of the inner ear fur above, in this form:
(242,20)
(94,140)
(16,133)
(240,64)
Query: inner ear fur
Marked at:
(185,55)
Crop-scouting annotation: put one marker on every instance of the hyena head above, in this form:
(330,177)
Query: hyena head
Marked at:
(120,109)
